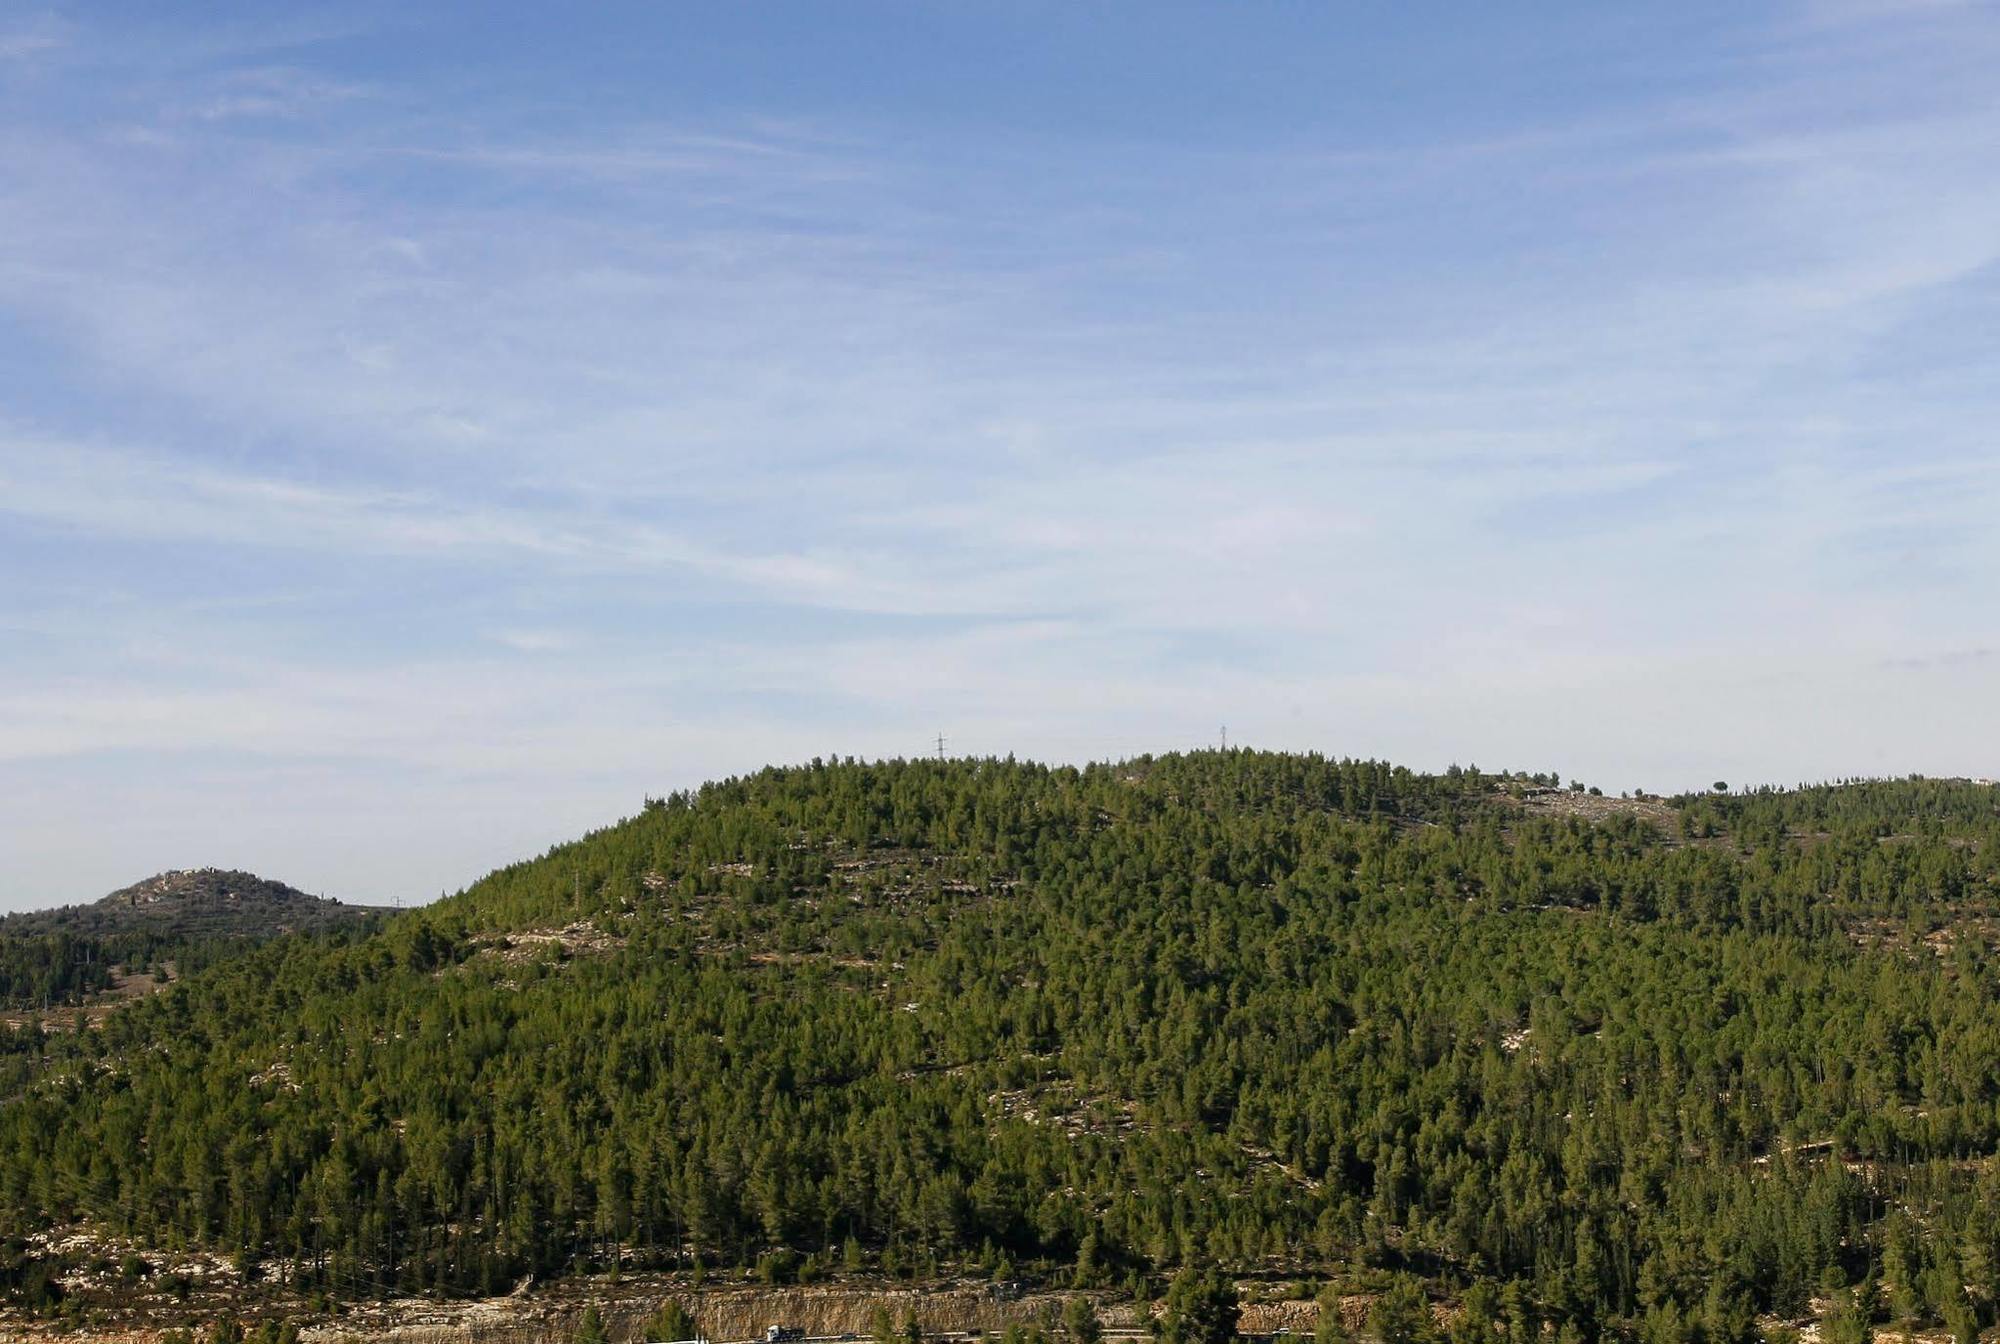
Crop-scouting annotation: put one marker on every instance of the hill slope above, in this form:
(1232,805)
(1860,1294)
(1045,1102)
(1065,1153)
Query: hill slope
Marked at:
(1651,1064)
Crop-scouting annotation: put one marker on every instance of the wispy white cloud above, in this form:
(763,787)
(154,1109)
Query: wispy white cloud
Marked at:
(535,641)
(121,495)
(21,46)
(389,436)
(273,92)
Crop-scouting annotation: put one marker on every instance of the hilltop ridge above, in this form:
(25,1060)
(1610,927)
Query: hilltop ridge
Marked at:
(194,902)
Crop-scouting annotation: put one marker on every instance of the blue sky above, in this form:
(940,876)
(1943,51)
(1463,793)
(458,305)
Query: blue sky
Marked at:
(425,430)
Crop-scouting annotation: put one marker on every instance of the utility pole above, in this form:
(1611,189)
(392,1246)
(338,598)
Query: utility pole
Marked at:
(1225,737)
(940,745)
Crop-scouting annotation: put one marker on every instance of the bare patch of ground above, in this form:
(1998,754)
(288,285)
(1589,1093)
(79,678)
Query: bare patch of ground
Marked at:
(526,945)
(1976,927)
(1599,807)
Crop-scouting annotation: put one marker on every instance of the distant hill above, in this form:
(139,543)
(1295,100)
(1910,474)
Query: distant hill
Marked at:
(194,902)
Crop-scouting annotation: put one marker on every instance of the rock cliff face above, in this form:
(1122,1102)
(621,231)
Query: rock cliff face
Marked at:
(726,1313)
(551,1314)
(739,1313)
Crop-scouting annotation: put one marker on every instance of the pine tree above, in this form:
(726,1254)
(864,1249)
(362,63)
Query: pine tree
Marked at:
(1201,1307)
(1402,1315)
(1080,1321)
(670,1321)
(1328,1327)
(1845,1321)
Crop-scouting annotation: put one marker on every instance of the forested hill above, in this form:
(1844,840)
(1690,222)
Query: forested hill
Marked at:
(1655,1066)
(188,918)
(193,902)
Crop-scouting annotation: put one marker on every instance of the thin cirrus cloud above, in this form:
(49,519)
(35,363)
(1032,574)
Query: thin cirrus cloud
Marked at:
(413,442)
